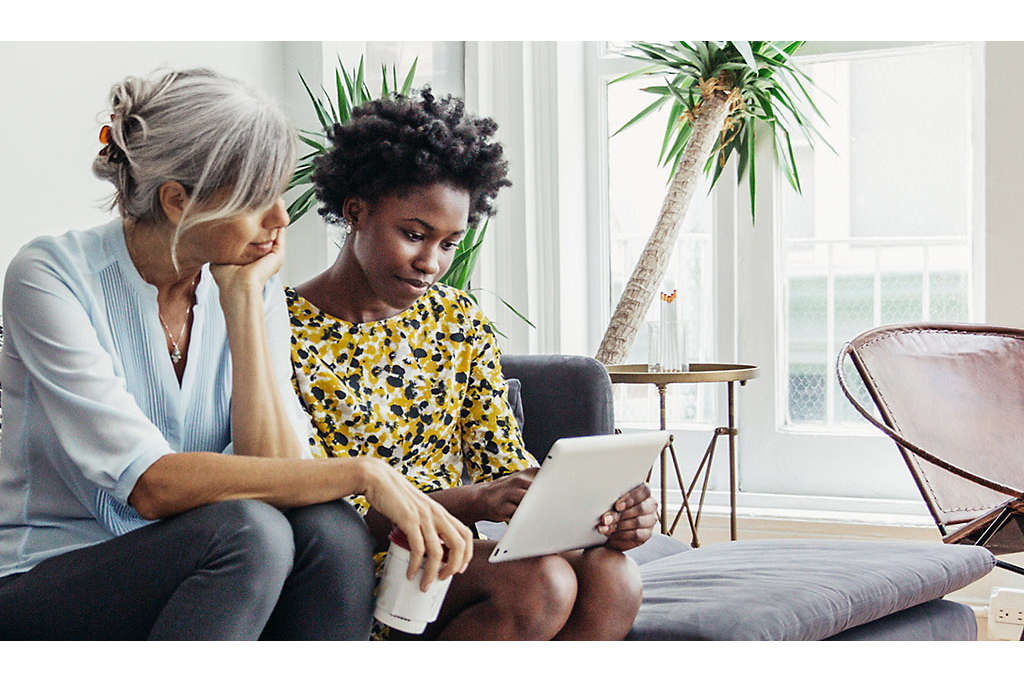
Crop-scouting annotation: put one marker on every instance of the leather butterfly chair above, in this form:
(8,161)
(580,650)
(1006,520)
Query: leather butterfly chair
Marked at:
(952,397)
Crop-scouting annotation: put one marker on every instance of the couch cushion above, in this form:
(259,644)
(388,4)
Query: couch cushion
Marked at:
(933,621)
(796,589)
(657,547)
(514,396)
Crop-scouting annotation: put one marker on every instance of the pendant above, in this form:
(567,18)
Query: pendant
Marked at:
(176,355)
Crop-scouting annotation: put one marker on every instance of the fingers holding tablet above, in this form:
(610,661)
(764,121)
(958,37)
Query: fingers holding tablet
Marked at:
(501,497)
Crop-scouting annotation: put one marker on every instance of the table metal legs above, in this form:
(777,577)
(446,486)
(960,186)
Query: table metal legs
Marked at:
(704,467)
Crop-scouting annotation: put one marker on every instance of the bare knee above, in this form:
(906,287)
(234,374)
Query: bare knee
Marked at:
(610,593)
(542,599)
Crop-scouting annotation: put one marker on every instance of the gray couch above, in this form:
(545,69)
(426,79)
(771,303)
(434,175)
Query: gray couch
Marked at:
(764,589)
(780,589)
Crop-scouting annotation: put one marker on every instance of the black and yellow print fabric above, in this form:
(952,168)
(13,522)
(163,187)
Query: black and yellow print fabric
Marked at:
(422,390)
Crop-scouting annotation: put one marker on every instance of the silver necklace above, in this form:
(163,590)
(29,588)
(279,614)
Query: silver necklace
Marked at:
(176,355)
(175,352)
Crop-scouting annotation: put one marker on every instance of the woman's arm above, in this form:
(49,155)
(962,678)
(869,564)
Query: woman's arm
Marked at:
(181,481)
(488,500)
(260,426)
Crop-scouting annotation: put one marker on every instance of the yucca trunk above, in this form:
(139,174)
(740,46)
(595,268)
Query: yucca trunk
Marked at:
(639,292)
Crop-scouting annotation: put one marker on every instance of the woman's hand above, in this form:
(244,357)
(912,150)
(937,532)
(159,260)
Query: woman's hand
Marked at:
(251,276)
(500,498)
(630,521)
(426,524)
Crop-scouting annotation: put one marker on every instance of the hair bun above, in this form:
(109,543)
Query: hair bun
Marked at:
(201,130)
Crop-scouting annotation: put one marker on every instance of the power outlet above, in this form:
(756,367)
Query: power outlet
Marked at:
(1006,613)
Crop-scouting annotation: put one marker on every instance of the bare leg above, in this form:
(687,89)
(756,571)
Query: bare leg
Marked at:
(530,599)
(608,595)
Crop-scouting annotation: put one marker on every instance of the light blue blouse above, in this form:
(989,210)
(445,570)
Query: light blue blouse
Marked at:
(90,397)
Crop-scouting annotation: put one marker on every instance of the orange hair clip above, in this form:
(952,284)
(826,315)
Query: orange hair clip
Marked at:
(105,132)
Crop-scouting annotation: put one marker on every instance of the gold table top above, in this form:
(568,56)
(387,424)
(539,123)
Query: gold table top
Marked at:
(698,373)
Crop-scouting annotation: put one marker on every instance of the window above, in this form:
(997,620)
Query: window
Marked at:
(882,233)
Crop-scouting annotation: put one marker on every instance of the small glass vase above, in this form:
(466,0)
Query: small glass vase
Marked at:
(653,347)
(673,347)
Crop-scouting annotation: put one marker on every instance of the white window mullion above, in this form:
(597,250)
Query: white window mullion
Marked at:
(830,334)
(877,302)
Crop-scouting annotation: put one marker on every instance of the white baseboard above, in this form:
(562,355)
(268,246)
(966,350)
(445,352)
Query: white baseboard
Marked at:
(862,510)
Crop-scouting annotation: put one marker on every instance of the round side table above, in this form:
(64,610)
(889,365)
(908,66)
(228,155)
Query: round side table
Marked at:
(698,373)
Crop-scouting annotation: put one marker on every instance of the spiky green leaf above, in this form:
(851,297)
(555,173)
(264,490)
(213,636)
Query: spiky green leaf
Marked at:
(407,84)
(317,105)
(652,107)
(743,48)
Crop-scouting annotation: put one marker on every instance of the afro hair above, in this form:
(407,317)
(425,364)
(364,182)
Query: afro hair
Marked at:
(395,144)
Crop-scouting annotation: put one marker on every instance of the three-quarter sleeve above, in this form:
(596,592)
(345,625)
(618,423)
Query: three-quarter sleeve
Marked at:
(107,438)
(492,444)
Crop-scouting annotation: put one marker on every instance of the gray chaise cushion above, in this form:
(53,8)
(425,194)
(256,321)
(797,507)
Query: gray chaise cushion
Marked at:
(796,589)
(934,621)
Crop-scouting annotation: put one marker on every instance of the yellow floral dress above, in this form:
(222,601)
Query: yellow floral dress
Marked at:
(422,390)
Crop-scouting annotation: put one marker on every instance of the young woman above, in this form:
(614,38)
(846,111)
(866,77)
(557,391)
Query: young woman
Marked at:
(139,353)
(394,366)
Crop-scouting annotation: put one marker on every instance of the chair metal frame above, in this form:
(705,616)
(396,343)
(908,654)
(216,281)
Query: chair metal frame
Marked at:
(978,531)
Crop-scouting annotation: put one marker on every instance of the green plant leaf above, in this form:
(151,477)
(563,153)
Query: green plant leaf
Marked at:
(462,267)
(685,97)
(752,171)
(407,84)
(317,106)
(312,143)
(682,137)
(784,155)
(330,104)
(299,178)
(743,48)
(653,106)
(672,123)
(360,87)
(298,207)
(344,110)
(632,74)
(507,305)
(348,81)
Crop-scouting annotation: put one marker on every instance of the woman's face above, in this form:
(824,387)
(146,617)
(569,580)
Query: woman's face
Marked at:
(237,240)
(406,243)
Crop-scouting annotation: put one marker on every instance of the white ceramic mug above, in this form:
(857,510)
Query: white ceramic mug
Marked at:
(400,602)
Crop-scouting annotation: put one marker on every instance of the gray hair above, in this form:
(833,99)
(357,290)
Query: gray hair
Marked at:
(202,130)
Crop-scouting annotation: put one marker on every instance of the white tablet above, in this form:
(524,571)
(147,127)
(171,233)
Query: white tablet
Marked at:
(580,480)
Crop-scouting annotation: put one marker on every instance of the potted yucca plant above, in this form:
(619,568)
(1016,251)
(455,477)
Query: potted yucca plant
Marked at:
(721,93)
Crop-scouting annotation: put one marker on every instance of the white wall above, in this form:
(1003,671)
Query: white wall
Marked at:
(55,103)
(535,253)
(1004,181)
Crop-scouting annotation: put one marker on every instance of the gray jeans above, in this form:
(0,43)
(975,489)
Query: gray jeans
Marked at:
(237,570)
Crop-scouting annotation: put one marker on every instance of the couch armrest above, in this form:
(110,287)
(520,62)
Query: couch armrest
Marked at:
(563,396)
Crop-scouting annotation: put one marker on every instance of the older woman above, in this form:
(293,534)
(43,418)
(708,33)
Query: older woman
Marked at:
(155,480)
(396,367)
